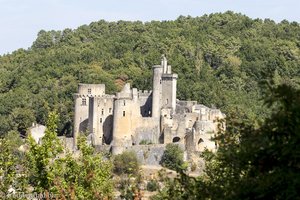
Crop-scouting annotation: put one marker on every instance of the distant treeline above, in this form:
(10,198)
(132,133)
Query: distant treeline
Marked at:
(227,60)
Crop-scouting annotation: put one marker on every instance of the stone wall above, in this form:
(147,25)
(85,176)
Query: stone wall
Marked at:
(146,154)
(101,119)
(147,129)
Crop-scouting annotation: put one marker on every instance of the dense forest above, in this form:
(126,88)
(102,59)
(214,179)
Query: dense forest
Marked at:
(226,60)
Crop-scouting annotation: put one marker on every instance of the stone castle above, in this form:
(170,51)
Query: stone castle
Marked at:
(133,118)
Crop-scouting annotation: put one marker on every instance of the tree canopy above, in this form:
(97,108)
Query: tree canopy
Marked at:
(220,58)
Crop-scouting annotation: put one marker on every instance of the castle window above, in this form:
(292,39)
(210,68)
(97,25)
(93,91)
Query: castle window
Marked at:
(102,112)
(167,101)
(202,127)
(123,113)
(83,102)
(124,102)
(109,110)
(176,139)
(160,81)
(89,91)
(100,120)
(200,141)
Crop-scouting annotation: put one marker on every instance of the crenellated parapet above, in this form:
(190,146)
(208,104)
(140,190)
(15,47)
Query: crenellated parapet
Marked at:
(144,92)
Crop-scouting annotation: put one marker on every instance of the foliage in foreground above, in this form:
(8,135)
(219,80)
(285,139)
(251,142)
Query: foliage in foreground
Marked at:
(10,157)
(87,177)
(251,163)
(46,170)
(128,179)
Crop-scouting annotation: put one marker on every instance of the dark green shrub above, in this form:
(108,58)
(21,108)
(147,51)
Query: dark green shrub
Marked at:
(145,142)
(126,163)
(152,186)
(172,157)
(193,166)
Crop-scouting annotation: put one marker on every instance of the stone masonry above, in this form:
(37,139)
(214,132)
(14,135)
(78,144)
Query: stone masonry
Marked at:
(131,118)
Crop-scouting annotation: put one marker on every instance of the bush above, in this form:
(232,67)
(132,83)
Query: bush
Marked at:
(152,186)
(193,166)
(145,142)
(126,163)
(173,157)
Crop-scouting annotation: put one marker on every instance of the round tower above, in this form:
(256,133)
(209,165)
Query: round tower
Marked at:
(122,129)
(76,118)
(156,90)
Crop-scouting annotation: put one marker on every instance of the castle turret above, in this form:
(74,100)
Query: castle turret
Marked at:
(122,129)
(164,64)
(157,89)
(125,118)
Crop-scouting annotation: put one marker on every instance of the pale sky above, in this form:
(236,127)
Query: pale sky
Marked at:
(21,20)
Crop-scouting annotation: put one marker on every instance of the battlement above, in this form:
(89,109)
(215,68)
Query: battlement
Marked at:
(123,95)
(186,103)
(169,76)
(91,89)
(144,93)
(78,95)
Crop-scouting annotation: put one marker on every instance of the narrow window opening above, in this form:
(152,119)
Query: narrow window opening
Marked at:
(102,112)
(100,120)
(124,102)
(109,110)
(202,127)
(123,113)
(200,141)
(89,91)
(84,102)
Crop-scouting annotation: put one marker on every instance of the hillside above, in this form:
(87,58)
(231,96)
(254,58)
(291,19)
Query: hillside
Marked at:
(223,60)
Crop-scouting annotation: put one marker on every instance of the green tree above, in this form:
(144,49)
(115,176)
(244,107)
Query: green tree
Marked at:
(126,163)
(95,174)
(127,167)
(173,157)
(51,172)
(259,162)
(10,161)
(86,176)
(41,157)
(21,119)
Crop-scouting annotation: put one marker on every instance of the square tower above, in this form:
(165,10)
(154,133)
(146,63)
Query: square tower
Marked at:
(169,86)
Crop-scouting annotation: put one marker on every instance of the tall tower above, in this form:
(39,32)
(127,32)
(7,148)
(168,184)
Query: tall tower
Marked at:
(157,89)
(81,115)
(169,86)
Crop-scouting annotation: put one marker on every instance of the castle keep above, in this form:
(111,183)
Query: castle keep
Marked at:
(132,117)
